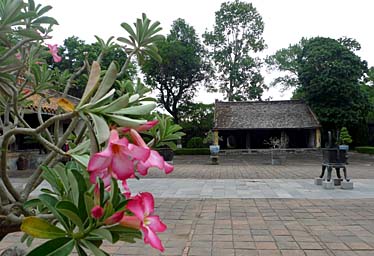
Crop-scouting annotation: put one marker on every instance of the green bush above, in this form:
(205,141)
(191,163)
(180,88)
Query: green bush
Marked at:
(192,151)
(366,150)
(195,142)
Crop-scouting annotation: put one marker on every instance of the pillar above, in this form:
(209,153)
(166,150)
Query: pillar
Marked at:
(215,137)
(318,138)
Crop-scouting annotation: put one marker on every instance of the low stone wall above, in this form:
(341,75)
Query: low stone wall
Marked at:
(33,159)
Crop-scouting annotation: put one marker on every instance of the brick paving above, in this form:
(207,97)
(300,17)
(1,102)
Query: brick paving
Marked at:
(297,166)
(258,226)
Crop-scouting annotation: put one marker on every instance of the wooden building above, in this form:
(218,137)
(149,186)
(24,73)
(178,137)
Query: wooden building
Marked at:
(250,125)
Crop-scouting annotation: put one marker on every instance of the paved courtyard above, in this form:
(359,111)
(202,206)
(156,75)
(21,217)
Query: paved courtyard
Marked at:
(244,206)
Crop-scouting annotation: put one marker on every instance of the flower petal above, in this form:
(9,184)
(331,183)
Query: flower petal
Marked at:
(142,168)
(100,161)
(137,139)
(116,217)
(148,203)
(156,224)
(127,192)
(122,167)
(102,174)
(130,222)
(138,153)
(156,160)
(97,212)
(113,136)
(135,206)
(148,125)
(168,168)
(151,237)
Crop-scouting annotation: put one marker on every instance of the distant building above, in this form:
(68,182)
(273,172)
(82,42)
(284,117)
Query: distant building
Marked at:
(48,108)
(244,125)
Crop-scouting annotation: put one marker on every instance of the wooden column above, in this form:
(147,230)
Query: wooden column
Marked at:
(215,137)
(318,138)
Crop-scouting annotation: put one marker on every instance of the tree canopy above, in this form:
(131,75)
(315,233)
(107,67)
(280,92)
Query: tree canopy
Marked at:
(236,36)
(75,51)
(329,74)
(178,75)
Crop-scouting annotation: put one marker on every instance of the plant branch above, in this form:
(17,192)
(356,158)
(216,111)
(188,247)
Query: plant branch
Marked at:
(14,48)
(125,65)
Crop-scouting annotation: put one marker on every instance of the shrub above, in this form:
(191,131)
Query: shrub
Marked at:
(366,150)
(195,142)
(192,151)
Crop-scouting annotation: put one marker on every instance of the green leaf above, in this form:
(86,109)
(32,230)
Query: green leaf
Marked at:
(50,202)
(80,250)
(50,176)
(114,193)
(82,159)
(107,83)
(71,212)
(40,228)
(95,250)
(103,233)
(126,234)
(30,34)
(89,203)
(101,128)
(118,104)
(32,203)
(81,148)
(46,20)
(56,247)
(137,110)
(126,121)
(92,84)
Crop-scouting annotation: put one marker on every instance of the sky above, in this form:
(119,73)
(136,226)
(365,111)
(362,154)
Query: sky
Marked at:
(286,22)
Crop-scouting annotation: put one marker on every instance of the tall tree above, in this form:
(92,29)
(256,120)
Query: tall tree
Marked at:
(74,51)
(330,74)
(178,75)
(237,34)
(196,119)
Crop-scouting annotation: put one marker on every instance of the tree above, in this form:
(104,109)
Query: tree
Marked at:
(75,52)
(286,62)
(236,35)
(178,75)
(196,119)
(329,74)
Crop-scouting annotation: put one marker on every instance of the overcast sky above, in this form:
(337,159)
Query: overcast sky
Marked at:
(286,21)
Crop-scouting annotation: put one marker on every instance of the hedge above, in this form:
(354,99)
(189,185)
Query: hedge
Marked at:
(366,150)
(192,151)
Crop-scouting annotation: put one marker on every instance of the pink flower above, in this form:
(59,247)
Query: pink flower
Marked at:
(142,206)
(116,160)
(54,51)
(18,56)
(127,192)
(97,212)
(154,159)
(144,127)
(115,218)
(148,125)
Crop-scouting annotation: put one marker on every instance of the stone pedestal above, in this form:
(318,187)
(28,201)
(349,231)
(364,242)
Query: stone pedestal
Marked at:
(318,181)
(346,185)
(214,159)
(328,184)
(337,182)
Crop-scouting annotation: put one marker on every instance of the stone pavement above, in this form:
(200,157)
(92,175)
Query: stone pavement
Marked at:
(286,215)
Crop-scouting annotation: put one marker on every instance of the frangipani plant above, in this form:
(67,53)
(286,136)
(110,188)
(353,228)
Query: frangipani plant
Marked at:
(85,204)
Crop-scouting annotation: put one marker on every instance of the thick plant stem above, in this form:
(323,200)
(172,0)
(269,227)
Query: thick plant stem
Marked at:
(35,179)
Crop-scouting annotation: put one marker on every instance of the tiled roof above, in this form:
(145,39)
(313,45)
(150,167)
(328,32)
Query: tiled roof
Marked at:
(264,115)
(51,106)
